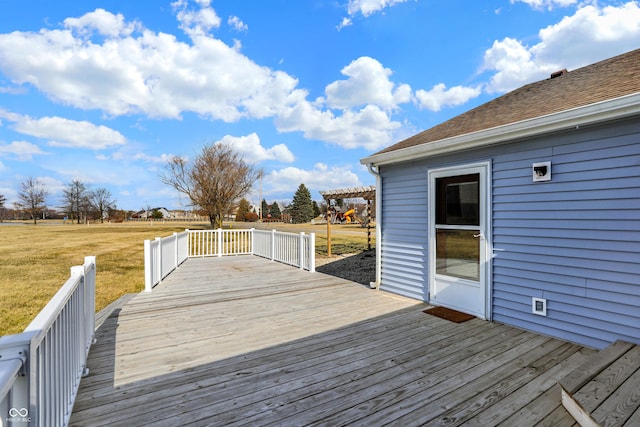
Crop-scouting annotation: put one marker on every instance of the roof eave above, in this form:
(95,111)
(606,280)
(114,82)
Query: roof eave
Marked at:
(616,108)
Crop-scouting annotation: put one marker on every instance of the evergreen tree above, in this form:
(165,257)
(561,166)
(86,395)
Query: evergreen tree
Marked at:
(243,210)
(156,214)
(265,209)
(275,211)
(302,207)
(316,209)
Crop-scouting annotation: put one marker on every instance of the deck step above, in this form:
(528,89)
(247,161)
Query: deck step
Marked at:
(605,391)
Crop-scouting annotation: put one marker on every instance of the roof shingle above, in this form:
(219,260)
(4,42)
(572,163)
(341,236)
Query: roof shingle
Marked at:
(602,81)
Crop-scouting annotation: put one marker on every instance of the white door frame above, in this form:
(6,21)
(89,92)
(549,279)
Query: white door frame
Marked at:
(483,311)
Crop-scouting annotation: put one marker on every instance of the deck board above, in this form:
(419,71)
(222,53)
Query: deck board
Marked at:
(606,390)
(247,341)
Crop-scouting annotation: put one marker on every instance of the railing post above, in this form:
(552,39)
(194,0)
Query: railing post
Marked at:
(188,242)
(312,252)
(219,241)
(90,301)
(175,250)
(273,245)
(252,237)
(158,260)
(80,270)
(148,265)
(301,250)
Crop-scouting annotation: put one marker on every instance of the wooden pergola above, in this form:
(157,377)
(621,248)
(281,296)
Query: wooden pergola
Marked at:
(367,193)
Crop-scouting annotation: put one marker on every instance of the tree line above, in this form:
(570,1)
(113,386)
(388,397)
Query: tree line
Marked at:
(215,182)
(78,202)
(302,209)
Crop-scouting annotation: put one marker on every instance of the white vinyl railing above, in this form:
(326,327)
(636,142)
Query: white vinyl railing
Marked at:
(162,256)
(220,242)
(41,368)
(289,248)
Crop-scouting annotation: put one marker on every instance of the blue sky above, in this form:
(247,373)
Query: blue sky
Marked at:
(106,91)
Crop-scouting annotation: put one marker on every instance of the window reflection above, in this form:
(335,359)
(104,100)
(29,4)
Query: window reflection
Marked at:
(457,200)
(458,254)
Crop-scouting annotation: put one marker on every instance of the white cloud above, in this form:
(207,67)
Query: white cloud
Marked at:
(237,23)
(62,132)
(53,187)
(105,23)
(22,150)
(439,96)
(369,7)
(368,83)
(548,4)
(365,8)
(197,21)
(346,22)
(252,150)
(369,127)
(160,160)
(13,90)
(143,72)
(591,34)
(137,71)
(514,65)
(365,102)
(321,177)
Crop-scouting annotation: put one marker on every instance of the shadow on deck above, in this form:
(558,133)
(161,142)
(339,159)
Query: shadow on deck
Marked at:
(246,341)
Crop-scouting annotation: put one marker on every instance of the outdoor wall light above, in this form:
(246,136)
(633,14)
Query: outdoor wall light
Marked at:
(541,171)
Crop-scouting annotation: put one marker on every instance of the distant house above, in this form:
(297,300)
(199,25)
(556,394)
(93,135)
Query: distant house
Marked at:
(524,210)
(148,213)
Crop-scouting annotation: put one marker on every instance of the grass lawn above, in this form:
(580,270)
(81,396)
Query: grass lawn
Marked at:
(36,261)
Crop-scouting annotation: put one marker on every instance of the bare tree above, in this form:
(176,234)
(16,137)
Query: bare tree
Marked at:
(102,202)
(32,197)
(213,181)
(75,199)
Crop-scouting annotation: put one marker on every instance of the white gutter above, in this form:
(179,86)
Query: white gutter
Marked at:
(376,173)
(617,108)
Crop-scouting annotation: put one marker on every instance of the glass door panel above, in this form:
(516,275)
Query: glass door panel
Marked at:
(458,200)
(458,226)
(458,253)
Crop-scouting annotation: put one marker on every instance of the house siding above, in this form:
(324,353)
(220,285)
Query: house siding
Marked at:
(404,244)
(574,240)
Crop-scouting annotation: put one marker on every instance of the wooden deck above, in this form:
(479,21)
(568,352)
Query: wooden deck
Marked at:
(246,341)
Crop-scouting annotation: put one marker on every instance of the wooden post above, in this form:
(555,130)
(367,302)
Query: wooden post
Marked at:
(369,224)
(328,230)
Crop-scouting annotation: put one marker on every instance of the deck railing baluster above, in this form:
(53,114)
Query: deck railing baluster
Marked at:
(163,255)
(40,369)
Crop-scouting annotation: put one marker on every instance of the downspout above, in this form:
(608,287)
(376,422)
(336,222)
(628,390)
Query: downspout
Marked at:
(376,173)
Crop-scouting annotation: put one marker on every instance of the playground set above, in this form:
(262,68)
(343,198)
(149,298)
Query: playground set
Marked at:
(335,215)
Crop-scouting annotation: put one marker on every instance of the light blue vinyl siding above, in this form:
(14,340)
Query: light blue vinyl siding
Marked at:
(574,240)
(404,234)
